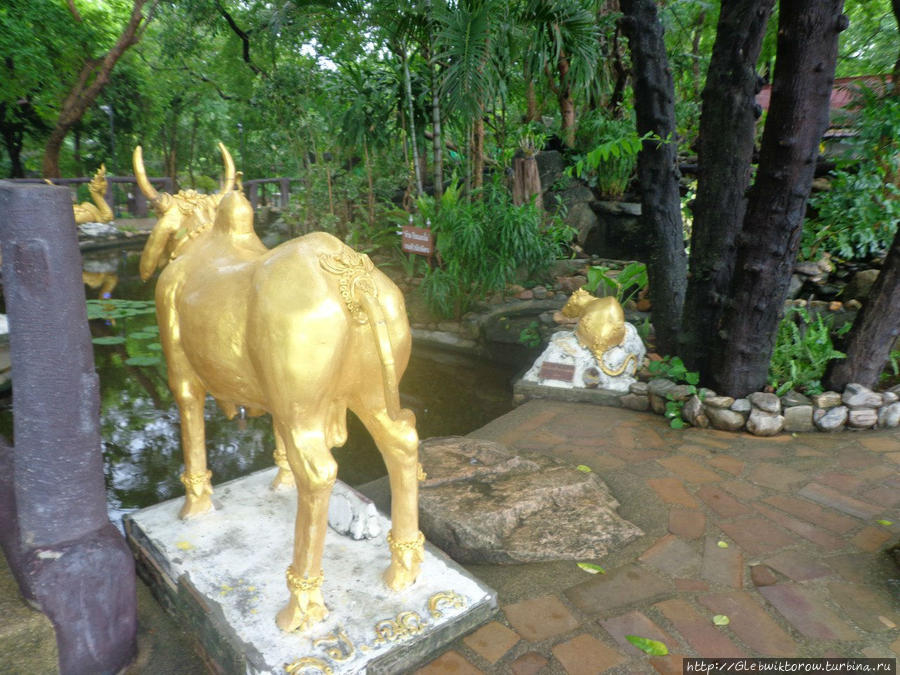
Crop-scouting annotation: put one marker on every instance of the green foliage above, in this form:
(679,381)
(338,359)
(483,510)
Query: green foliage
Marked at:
(624,285)
(803,348)
(673,368)
(610,165)
(858,216)
(482,243)
(142,346)
(530,336)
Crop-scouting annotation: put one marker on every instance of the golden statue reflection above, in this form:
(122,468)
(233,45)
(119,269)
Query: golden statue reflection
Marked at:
(303,331)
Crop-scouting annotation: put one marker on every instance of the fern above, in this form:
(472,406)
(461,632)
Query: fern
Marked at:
(803,349)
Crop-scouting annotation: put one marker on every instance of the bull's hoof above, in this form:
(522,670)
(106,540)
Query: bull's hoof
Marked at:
(284,479)
(304,610)
(195,506)
(406,558)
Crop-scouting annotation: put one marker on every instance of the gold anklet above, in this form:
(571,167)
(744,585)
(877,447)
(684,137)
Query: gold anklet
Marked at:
(297,583)
(192,481)
(416,544)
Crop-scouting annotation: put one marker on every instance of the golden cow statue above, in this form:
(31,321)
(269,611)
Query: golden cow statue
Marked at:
(303,331)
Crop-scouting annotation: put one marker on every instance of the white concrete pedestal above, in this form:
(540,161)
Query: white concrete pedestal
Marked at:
(222,575)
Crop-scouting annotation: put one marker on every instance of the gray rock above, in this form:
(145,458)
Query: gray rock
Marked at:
(718,401)
(830,419)
(889,397)
(352,513)
(828,399)
(889,416)
(724,419)
(550,167)
(693,414)
(635,402)
(798,418)
(741,405)
(660,386)
(705,393)
(857,396)
(808,269)
(762,423)
(861,284)
(659,389)
(540,292)
(482,503)
(862,418)
(681,392)
(794,286)
(639,388)
(793,398)
(766,402)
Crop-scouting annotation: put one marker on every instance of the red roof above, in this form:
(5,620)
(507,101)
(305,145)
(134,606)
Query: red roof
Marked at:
(842,92)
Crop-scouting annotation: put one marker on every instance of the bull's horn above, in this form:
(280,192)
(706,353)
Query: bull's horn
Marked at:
(229,168)
(140,175)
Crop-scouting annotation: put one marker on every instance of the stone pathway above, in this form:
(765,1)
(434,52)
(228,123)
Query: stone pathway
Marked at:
(783,535)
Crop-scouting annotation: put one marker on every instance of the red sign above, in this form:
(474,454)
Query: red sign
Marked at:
(417,240)
(563,372)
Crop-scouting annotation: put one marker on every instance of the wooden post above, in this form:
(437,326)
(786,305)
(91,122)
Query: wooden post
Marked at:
(68,558)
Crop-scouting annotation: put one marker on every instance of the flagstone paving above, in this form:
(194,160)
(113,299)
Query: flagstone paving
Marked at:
(785,536)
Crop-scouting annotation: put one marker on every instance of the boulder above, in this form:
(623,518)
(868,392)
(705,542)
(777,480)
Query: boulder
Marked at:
(858,396)
(724,419)
(762,423)
(830,419)
(483,503)
(766,402)
(889,415)
(861,284)
(798,418)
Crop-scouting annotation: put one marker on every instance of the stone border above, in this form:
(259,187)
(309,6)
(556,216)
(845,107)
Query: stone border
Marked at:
(761,414)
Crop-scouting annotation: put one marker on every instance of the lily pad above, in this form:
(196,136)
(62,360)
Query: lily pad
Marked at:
(108,340)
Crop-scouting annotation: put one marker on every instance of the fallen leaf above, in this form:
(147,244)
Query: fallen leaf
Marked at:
(584,467)
(722,544)
(651,647)
(887,622)
(721,620)
(184,545)
(886,523)
(591,568)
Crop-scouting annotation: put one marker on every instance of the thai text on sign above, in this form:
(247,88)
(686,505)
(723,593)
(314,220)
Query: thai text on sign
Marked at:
(417,240)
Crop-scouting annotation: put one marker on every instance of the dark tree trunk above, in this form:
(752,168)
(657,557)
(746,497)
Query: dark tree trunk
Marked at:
(13,140)
(526,181)
(767,247)
(727,127)
(93,77)
(658,168)
(875,330)
(566,103)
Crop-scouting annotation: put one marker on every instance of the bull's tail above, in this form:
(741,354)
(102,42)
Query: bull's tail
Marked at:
(375,314)
(361,297)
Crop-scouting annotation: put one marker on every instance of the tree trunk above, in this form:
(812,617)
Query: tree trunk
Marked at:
(93,77)
(531,110)
(438,140)
(875,330)
(727,126)
(566,103)
(478,151)
(658,168)
(371,182)
(767,247)
(412,123)
(526,181)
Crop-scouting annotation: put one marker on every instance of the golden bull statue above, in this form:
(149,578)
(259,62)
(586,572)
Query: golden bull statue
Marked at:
(303,331)
(601,326)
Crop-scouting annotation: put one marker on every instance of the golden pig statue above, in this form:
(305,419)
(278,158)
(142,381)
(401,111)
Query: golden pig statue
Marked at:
(601,326)
(303,331)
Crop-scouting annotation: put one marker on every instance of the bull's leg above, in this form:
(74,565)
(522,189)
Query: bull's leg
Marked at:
(190,397)
(399,445)
(284,478)
(315,472)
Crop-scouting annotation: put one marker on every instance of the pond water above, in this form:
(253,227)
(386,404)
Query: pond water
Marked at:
(449,394)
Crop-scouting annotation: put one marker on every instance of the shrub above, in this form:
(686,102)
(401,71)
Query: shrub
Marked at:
(858,216)
(482,243)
